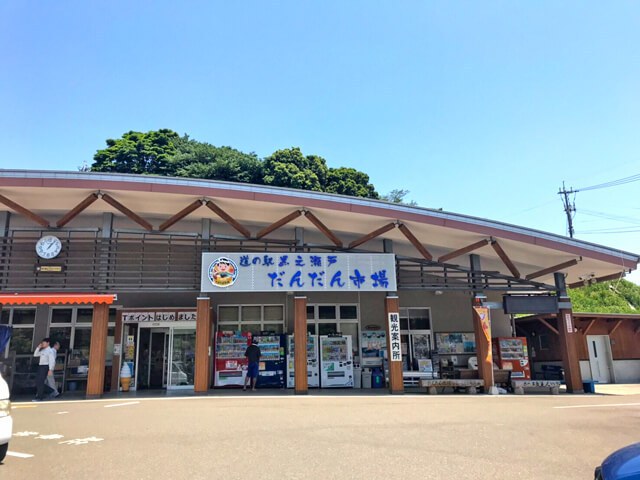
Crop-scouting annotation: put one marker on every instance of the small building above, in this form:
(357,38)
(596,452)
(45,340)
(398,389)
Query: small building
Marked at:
(608,345)
(153,272)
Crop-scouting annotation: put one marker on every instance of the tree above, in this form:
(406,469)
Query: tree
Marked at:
(607,297)
(290,168)
(397,196)
(349,181)
(138,152)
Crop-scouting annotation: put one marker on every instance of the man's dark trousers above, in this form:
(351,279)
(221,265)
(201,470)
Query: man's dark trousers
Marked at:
(43,371)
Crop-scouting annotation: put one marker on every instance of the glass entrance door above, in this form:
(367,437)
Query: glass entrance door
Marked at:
(182,358)
(153,358)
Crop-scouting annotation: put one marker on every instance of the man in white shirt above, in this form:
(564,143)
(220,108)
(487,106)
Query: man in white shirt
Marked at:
(50,381)
(45,366)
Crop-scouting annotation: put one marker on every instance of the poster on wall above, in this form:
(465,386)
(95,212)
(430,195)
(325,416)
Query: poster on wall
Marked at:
(447,343)
(374,346)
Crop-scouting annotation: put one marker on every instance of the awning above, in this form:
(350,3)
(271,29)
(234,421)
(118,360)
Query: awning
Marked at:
(56,298)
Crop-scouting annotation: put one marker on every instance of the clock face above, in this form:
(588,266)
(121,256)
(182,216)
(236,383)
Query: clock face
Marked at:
(48,247)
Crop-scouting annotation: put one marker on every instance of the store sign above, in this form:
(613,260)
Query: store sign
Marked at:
(394,338)
(300,272)
(483,314)
(158,316)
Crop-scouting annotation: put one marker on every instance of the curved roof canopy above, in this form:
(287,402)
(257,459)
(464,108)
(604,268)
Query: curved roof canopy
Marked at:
(54,199)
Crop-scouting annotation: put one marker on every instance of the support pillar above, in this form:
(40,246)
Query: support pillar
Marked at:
(396,380)
(97,349)
(300,345)
(203,346)
(482,330)
(568,336)
(117,340)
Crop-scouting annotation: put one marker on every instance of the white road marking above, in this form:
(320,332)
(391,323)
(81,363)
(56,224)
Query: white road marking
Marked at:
(62,413)
(25,434)
(601,405)
(120,404)
(53,436)
(82,441)
(20,455)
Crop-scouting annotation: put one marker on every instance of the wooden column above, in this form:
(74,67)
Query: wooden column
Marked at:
(203,345)
(300,342)
(568,336)
(396,381)
(117,339)
(482,330)
(98,349)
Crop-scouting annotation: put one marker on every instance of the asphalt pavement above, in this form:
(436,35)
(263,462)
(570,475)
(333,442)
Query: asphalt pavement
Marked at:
(321,437)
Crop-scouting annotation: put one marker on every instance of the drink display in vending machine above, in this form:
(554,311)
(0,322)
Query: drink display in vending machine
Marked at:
(336,363)
(511,353)
(313,373)
(230,362)
(272,365)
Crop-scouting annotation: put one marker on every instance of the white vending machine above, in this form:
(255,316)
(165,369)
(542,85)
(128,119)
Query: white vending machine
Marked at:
(336,362)
(313,372)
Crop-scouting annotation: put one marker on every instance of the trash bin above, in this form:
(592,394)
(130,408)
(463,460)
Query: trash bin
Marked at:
(376,378)
(357,377)
(366,378)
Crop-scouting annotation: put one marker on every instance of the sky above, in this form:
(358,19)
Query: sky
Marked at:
(481,108)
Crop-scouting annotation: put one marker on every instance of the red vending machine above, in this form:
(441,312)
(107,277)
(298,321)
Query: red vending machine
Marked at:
(511,353)
(230,363)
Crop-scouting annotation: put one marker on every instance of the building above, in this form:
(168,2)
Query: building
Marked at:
(123,278)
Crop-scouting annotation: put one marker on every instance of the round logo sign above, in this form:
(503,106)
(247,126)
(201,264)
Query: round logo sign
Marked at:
(223,272)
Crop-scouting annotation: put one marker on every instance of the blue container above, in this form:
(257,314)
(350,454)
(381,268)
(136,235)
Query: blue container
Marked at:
(376,378)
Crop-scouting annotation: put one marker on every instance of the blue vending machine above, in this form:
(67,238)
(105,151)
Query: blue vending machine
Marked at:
(271,373)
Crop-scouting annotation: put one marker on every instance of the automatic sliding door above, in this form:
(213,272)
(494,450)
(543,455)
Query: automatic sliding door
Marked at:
(183,350)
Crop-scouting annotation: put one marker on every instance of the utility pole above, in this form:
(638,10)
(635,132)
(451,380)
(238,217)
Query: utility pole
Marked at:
(569,207)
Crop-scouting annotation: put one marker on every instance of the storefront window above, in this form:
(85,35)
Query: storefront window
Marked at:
(22,341)
(351,329)
(419,319)
(61,315)
(252,318)
(24,317)
(326,312)
(327,328)
(84,315)
(273,313)
(273,327)
(81,343)
(348,312)
(62,335)
(311,312)
(251,314)
(4,317)
(228,314)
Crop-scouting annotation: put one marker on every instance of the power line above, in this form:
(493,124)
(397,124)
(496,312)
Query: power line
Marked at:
(612,183)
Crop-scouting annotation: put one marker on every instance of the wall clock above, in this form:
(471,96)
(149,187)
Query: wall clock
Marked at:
(48,247)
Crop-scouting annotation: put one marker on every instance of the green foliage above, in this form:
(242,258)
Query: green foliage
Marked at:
(397,196)
(607,297)
(164,152)
(137,152)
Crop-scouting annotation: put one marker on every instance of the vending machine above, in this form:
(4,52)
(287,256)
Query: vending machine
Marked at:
(271,372)
(313,372)
(230,362)
(512,354)
(336,363)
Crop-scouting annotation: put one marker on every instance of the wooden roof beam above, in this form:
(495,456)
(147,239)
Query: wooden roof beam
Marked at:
(586,330)
(323,228)
(616,326)
(276,225)
(228,218)
(555,268)
(124,210)
(549,326)
(505,259)
(24,212)
(463,250)
(372,235)
(181,214)
(75,211)
(415,242)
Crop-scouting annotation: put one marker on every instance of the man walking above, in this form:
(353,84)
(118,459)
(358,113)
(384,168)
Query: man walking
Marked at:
(51,381)
(45,366)
(253,355)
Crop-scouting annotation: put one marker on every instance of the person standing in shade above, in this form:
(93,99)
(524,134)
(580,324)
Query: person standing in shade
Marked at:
(253,355)
(51,381)
(45,366)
